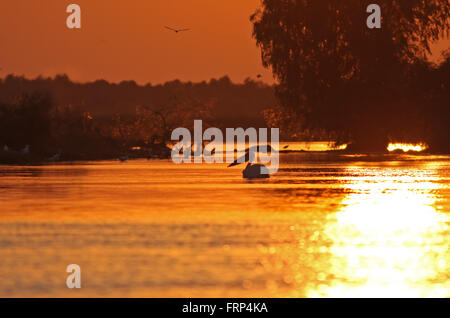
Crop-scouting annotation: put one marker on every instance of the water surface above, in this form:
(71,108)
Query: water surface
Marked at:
(324,226)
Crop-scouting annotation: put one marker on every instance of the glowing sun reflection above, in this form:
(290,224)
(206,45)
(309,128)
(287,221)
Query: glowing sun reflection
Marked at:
(388,240)
(407,147)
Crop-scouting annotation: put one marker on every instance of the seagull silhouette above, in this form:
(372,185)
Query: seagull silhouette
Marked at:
(176,30)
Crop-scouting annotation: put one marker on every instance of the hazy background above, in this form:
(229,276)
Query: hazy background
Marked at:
(122,40)
(126,40)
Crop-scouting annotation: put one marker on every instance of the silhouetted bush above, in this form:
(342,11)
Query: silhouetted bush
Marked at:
(27,121)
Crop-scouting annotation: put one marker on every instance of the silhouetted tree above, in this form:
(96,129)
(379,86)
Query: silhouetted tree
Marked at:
(436,103)
(27,121)
(338,74)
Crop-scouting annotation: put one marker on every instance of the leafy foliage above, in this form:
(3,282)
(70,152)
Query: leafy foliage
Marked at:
(341,76)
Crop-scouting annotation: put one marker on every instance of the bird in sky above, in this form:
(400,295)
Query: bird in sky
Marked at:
(176,30)
(259,76)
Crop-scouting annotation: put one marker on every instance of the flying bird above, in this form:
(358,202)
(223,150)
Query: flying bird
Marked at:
(259,76)
(176,30)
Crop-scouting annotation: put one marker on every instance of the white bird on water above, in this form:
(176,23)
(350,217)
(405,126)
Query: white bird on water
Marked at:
(26,150)
(55,157)
(252,171)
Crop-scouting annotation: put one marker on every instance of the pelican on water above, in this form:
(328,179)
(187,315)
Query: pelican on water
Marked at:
(26,150)
(55,157)
(253,171)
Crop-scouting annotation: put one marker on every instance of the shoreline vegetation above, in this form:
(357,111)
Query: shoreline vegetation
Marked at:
(13,157)
(365,87)
(46,120)
(19,158)
(43,121)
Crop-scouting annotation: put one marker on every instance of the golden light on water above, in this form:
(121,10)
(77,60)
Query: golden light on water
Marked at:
(347,229)
(407,147)
(388,241)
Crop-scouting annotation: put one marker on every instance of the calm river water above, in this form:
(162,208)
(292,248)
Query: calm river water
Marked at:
(324,226)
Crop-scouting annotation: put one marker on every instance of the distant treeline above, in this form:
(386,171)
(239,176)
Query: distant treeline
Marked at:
(232,105)
(47,118)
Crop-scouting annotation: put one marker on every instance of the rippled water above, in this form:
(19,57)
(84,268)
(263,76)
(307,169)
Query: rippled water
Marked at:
(323,226)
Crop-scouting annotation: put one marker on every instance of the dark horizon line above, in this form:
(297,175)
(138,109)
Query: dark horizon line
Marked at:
(148,84)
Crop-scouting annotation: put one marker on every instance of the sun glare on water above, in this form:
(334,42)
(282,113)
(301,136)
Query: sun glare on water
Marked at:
(387,241)
(407,147)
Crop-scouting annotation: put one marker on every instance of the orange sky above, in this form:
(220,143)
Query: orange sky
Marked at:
(126,40)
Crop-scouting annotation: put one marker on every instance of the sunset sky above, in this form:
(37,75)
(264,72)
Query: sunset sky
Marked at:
(126,40)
